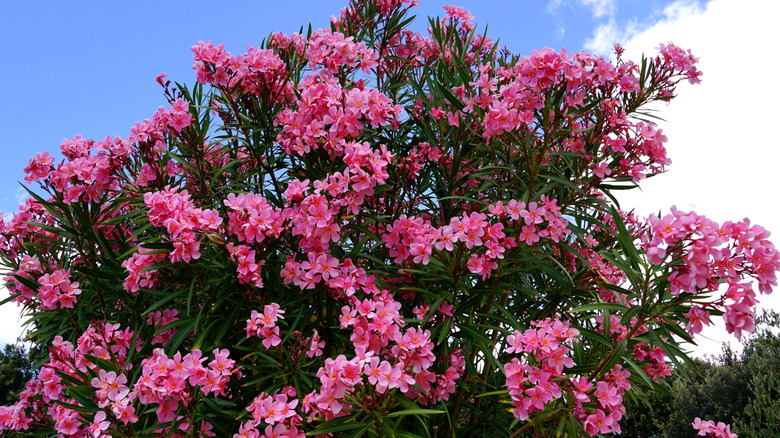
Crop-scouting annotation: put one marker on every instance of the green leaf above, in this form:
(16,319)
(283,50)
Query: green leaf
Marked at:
(625,239)
(102,363)
(598,306)
(157,304)
(77,408)
(499,392)
(413,412)
(339,424)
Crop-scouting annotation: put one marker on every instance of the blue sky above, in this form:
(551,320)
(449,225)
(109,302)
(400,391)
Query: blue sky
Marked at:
(89,68)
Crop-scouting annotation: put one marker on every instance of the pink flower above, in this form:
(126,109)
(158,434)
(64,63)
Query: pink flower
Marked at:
(607,395)
(99,424)
(598,422)
(533,215)
(696,317)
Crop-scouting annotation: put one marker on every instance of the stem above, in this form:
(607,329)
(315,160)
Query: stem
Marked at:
(629,335)
(529,424)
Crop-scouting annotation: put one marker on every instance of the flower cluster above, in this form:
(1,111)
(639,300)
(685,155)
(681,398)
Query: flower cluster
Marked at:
(177,117)
(609,397)
(40,167)
(248,267)
(413,239)
(540,378)
(505,101)
(263,325)
(55,289)
(171,382)
(138,267)
(45,396)
(386,358)
(535,381)
(681,61)
(654,357)
(160,319)
(177,213)
(258,71)
(278,412)
(738,253)
(328,115)
(710,429)
(251,218)
(334,51)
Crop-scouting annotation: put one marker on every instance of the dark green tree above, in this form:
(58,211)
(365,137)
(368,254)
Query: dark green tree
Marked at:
(761,359)
(741,389)
(646,412)
(16,368)
(718,389)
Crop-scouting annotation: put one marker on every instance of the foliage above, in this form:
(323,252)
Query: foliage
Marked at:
(16,368)
(365,231)
(738,388)
(717,389)
(761,359)
(646,412)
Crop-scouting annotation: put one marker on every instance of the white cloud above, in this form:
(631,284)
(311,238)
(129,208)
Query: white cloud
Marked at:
(10,323)
(552,5)
(721,132)
(682,8)
(598,8)
(601,8)
(607,34)
(560,32)
(21,196)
